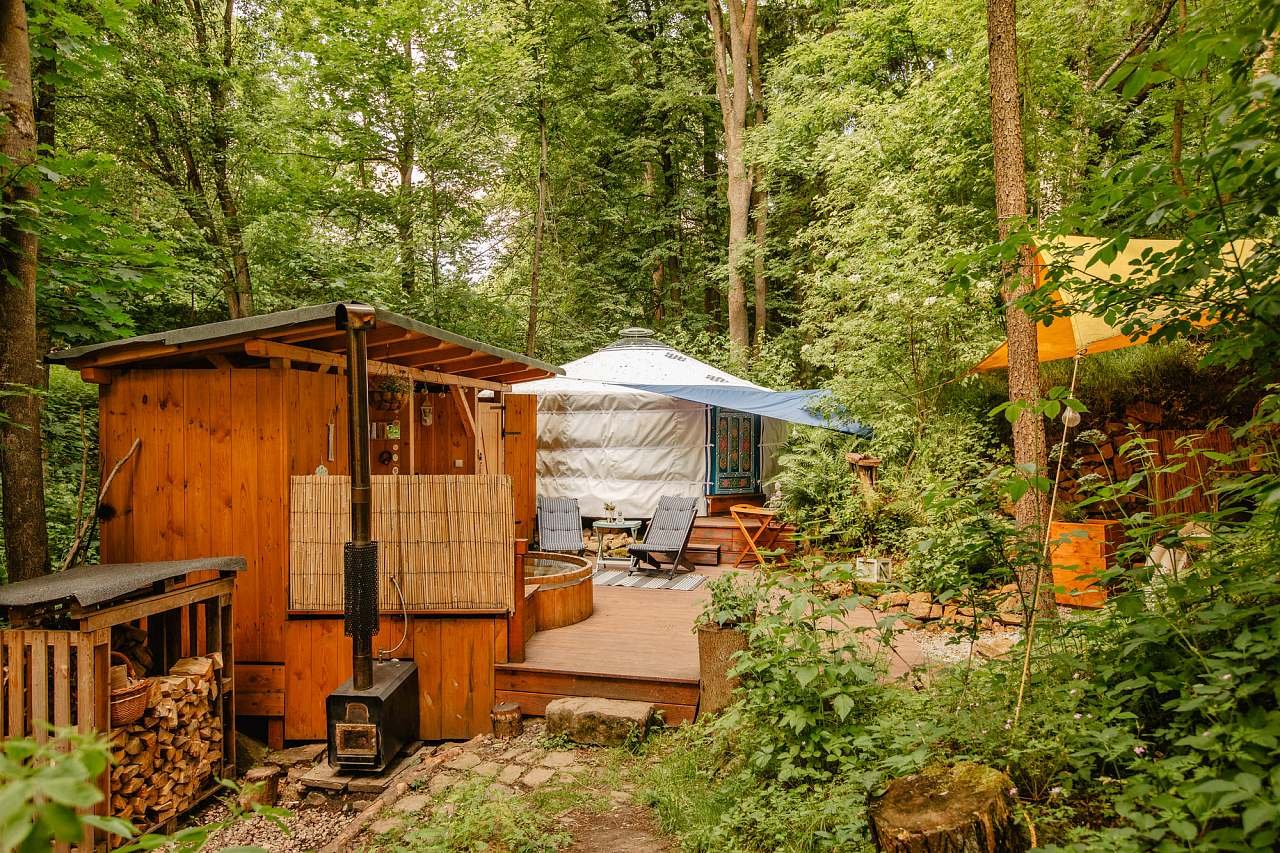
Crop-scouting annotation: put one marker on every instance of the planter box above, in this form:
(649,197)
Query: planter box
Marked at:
(716,648)
(1078,551)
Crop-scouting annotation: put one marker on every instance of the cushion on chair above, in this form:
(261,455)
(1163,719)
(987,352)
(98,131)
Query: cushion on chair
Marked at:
(559,524)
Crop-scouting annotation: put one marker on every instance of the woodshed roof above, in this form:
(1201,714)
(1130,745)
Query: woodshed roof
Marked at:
(311,335)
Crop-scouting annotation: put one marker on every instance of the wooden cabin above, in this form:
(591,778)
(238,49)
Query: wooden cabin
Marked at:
(241,432)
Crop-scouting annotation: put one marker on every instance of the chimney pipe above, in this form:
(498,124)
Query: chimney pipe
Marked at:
(360,569)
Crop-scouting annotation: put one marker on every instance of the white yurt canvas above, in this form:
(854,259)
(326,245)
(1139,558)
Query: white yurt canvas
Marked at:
(601,442)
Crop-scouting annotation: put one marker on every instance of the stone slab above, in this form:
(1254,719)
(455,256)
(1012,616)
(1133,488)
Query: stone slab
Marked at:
(601,722)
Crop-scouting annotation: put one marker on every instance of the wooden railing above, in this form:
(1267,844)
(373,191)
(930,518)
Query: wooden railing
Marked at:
(445,542)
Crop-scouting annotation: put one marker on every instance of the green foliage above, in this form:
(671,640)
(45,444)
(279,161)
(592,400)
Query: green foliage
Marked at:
(807,686)
(469,818)
(732,601)
(44,785)
(71,436)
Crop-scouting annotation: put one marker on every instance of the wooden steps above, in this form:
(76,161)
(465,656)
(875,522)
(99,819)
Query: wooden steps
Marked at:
(722,530)
(532,688)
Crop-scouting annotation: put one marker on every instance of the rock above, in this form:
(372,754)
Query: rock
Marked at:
(920,605)
(487,768)
(326,777)
(1143,413)
(559,759)
(995,647)
(441,782)
(604,722)
(935,612)
(315,798)
(899,599)
(498,791)
(249,753)
(385,825)
(307,753)
(537,777)
(465,761)
(620,797)
(477,742)
(412,804)
(511,774)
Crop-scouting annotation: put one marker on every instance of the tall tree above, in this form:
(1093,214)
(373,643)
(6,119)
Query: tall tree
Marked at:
(1018,280)
(735,50)
(21,462)
(175,110)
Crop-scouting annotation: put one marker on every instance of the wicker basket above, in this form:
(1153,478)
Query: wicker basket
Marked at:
(128,703)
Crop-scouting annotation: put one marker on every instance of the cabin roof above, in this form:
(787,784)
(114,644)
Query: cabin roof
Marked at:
(395,339)
(95,584)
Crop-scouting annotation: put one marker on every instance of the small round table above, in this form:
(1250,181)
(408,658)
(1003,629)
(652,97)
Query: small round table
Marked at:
(621,524)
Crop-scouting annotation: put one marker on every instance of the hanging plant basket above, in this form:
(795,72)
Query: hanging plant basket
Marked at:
(390,393)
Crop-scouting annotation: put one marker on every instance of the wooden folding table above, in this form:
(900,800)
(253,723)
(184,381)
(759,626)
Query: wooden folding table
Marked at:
(766,535)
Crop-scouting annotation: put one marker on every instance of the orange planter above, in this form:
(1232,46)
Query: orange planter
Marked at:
(1078,552)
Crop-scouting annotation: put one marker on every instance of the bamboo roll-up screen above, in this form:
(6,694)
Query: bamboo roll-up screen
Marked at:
(448,541)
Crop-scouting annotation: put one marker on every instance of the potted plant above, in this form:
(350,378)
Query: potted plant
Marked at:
(722,633)
(390,393)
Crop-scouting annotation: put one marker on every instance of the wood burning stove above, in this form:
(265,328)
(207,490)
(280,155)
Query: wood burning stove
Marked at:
(375,713)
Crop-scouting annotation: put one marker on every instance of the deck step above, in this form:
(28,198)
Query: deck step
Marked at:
(532,689)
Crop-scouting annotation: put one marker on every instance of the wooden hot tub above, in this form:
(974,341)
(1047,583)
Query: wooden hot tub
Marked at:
(564,591)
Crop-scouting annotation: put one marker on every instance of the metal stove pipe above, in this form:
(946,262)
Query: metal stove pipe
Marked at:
(360,569)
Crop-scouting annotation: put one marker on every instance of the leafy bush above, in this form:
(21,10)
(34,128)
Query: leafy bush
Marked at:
(732,601)
(43,785)
(470,818)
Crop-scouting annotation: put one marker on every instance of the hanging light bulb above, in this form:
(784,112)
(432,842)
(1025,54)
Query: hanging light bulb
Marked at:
(1070,417)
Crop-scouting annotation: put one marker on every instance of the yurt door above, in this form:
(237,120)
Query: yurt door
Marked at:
(735,454)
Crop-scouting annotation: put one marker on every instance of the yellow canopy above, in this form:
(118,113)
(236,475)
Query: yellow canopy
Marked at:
(1080,332)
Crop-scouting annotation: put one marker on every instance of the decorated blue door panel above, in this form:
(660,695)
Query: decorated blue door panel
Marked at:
(735,442)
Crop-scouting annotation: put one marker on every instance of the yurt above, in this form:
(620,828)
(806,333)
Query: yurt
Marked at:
(639,419)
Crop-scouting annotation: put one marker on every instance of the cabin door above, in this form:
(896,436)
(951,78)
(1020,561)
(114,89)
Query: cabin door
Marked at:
(489,444)
(735,452)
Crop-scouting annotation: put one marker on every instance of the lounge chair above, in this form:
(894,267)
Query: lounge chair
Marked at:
(667,537)
(559,525)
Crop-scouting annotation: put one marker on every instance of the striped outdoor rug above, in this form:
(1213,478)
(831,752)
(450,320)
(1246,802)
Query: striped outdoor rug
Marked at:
(614,577)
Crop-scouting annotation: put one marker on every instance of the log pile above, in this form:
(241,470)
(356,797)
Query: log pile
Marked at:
(166,760)
(1114,450)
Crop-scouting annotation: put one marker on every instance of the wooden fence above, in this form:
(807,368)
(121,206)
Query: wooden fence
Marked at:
(447,541)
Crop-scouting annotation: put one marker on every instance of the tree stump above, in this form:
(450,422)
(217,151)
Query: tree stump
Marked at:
(965,808)
(262,787)
(716,647)
(508,722)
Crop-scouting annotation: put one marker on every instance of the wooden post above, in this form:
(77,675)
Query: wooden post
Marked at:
(519,610)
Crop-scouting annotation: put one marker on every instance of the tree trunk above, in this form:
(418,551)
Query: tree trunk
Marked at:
(759,205)
(435,235)
(238,282)
(1018,278)
(26,536)
(731,48)
(539,230)
(404,220)
(965,808)
(711,181)
(760,216)
(404,215)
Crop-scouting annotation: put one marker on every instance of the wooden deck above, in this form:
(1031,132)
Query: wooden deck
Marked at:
(638,644)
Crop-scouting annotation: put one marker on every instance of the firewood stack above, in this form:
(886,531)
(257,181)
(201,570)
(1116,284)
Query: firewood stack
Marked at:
(1091,464)
(168,758)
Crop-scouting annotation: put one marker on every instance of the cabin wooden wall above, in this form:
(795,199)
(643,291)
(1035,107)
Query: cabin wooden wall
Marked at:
(455,657)
(519,457)
(212,478)
(446,441)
